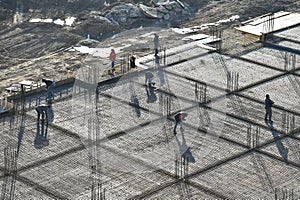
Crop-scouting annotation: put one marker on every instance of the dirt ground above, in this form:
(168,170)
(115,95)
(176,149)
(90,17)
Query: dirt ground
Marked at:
(32,51)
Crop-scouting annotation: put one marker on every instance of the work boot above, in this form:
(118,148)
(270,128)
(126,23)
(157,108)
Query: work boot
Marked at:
(174,132)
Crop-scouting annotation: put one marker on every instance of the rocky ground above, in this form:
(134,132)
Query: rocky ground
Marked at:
(31,51)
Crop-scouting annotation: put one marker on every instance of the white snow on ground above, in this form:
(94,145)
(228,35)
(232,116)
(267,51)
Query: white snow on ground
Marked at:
(35,20)
(98,52)
(68,21)
(59,22)
(204,26)
(184,30)
(195,37)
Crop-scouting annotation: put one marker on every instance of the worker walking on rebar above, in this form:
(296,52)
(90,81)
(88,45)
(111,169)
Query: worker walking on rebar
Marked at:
(268,107)
(179,117)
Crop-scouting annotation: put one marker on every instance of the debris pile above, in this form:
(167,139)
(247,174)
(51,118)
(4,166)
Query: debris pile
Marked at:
(161,12)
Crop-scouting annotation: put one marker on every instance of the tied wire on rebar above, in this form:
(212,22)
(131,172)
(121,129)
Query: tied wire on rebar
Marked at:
(252,132)
(11,154)
(22,122)
(216,34)
(259,165)
(288,122)
(10,173)
(262,172)
(232,81)
(288,126)
(166,102)
(253,136)
(91,98)
(284,194)
(201,96)
(97,192)
(85,99)
(289,61)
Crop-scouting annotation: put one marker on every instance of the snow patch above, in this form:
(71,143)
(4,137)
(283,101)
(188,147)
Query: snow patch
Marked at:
(204,26)
(98,52)
(68,21)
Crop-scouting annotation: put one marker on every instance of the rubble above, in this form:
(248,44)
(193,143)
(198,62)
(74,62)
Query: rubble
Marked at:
(167,11)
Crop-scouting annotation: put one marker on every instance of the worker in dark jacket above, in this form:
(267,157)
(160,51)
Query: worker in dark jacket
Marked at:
(268,107)
(132,61)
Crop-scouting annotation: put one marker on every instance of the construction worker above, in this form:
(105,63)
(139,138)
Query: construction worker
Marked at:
(179,117)
(148,77)
(132,61)
(112,57)
(50,85)
(268,107)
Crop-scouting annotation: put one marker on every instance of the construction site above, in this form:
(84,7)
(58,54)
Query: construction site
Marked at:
(105,134)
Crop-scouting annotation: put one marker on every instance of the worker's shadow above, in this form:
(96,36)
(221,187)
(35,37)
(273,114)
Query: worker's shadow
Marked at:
(160,71)
(151,96)
(184,149)
(41,137)
(283,151)
(135,102)
(45,116)
(50,113)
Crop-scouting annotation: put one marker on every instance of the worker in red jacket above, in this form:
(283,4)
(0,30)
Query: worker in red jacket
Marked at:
(112,57)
